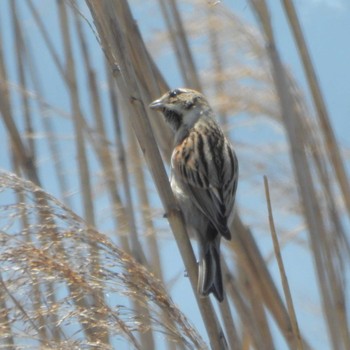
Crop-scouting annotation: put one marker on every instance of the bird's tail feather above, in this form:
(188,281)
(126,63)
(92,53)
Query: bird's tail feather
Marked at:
(209,274)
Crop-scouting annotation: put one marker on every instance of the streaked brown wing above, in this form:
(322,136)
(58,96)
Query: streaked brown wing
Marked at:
(216,202)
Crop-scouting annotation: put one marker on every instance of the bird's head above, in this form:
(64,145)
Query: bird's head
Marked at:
(181,107)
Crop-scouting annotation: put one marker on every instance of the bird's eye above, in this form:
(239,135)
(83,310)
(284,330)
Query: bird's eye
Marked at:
(174,93)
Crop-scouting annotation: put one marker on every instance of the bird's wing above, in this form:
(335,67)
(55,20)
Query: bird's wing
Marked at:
(210,184)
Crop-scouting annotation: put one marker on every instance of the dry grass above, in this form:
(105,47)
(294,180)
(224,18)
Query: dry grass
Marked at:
(91,273)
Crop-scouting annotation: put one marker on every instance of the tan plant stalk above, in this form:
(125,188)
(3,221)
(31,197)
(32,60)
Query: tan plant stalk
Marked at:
(84,172)
(253,266)
(20,149)
(24,159)
(151,82)
(19,44)
(231,332)
(46,37)
(101,143)
(25,224)
(148,229)
(28,61)
(314,219)
(136,167)
(115,47)
(122,161)
(212,17)
(180,43)
(146,338)
(322,113)
(246,315)
(287,293)
(7,340)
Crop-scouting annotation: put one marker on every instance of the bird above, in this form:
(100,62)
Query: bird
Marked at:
(204,177)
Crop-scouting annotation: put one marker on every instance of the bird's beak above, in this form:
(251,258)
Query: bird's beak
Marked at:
(157,105)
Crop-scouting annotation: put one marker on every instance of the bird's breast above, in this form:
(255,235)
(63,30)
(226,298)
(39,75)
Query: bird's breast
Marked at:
(183,154)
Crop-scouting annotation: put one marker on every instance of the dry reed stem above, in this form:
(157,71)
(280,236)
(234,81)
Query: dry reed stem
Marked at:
(46,38)
(311,207)
(151,82)
(256,272)
(246,315)
(25,223)
(43,105)
(287,293)
(19,44)
(110,175)
(191,71)
(149,232)
(84,171)
(311,137)
(120,211)
(216,59)
(101,146)
(229,325)
(5,324)
(154,261)
(180,43)
(235,340)
(148,228)
(18,145)
(147,340)
(122,157)
(322,113)
(116,48)
(101,142)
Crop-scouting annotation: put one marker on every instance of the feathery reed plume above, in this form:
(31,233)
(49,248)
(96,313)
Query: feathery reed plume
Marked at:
(120,278)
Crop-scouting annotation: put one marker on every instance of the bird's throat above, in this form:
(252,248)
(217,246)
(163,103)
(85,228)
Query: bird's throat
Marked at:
(173,118)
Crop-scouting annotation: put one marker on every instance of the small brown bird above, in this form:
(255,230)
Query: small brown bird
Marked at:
(204,175)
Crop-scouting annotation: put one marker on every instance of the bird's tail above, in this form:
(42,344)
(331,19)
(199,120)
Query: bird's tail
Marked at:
(209,274)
